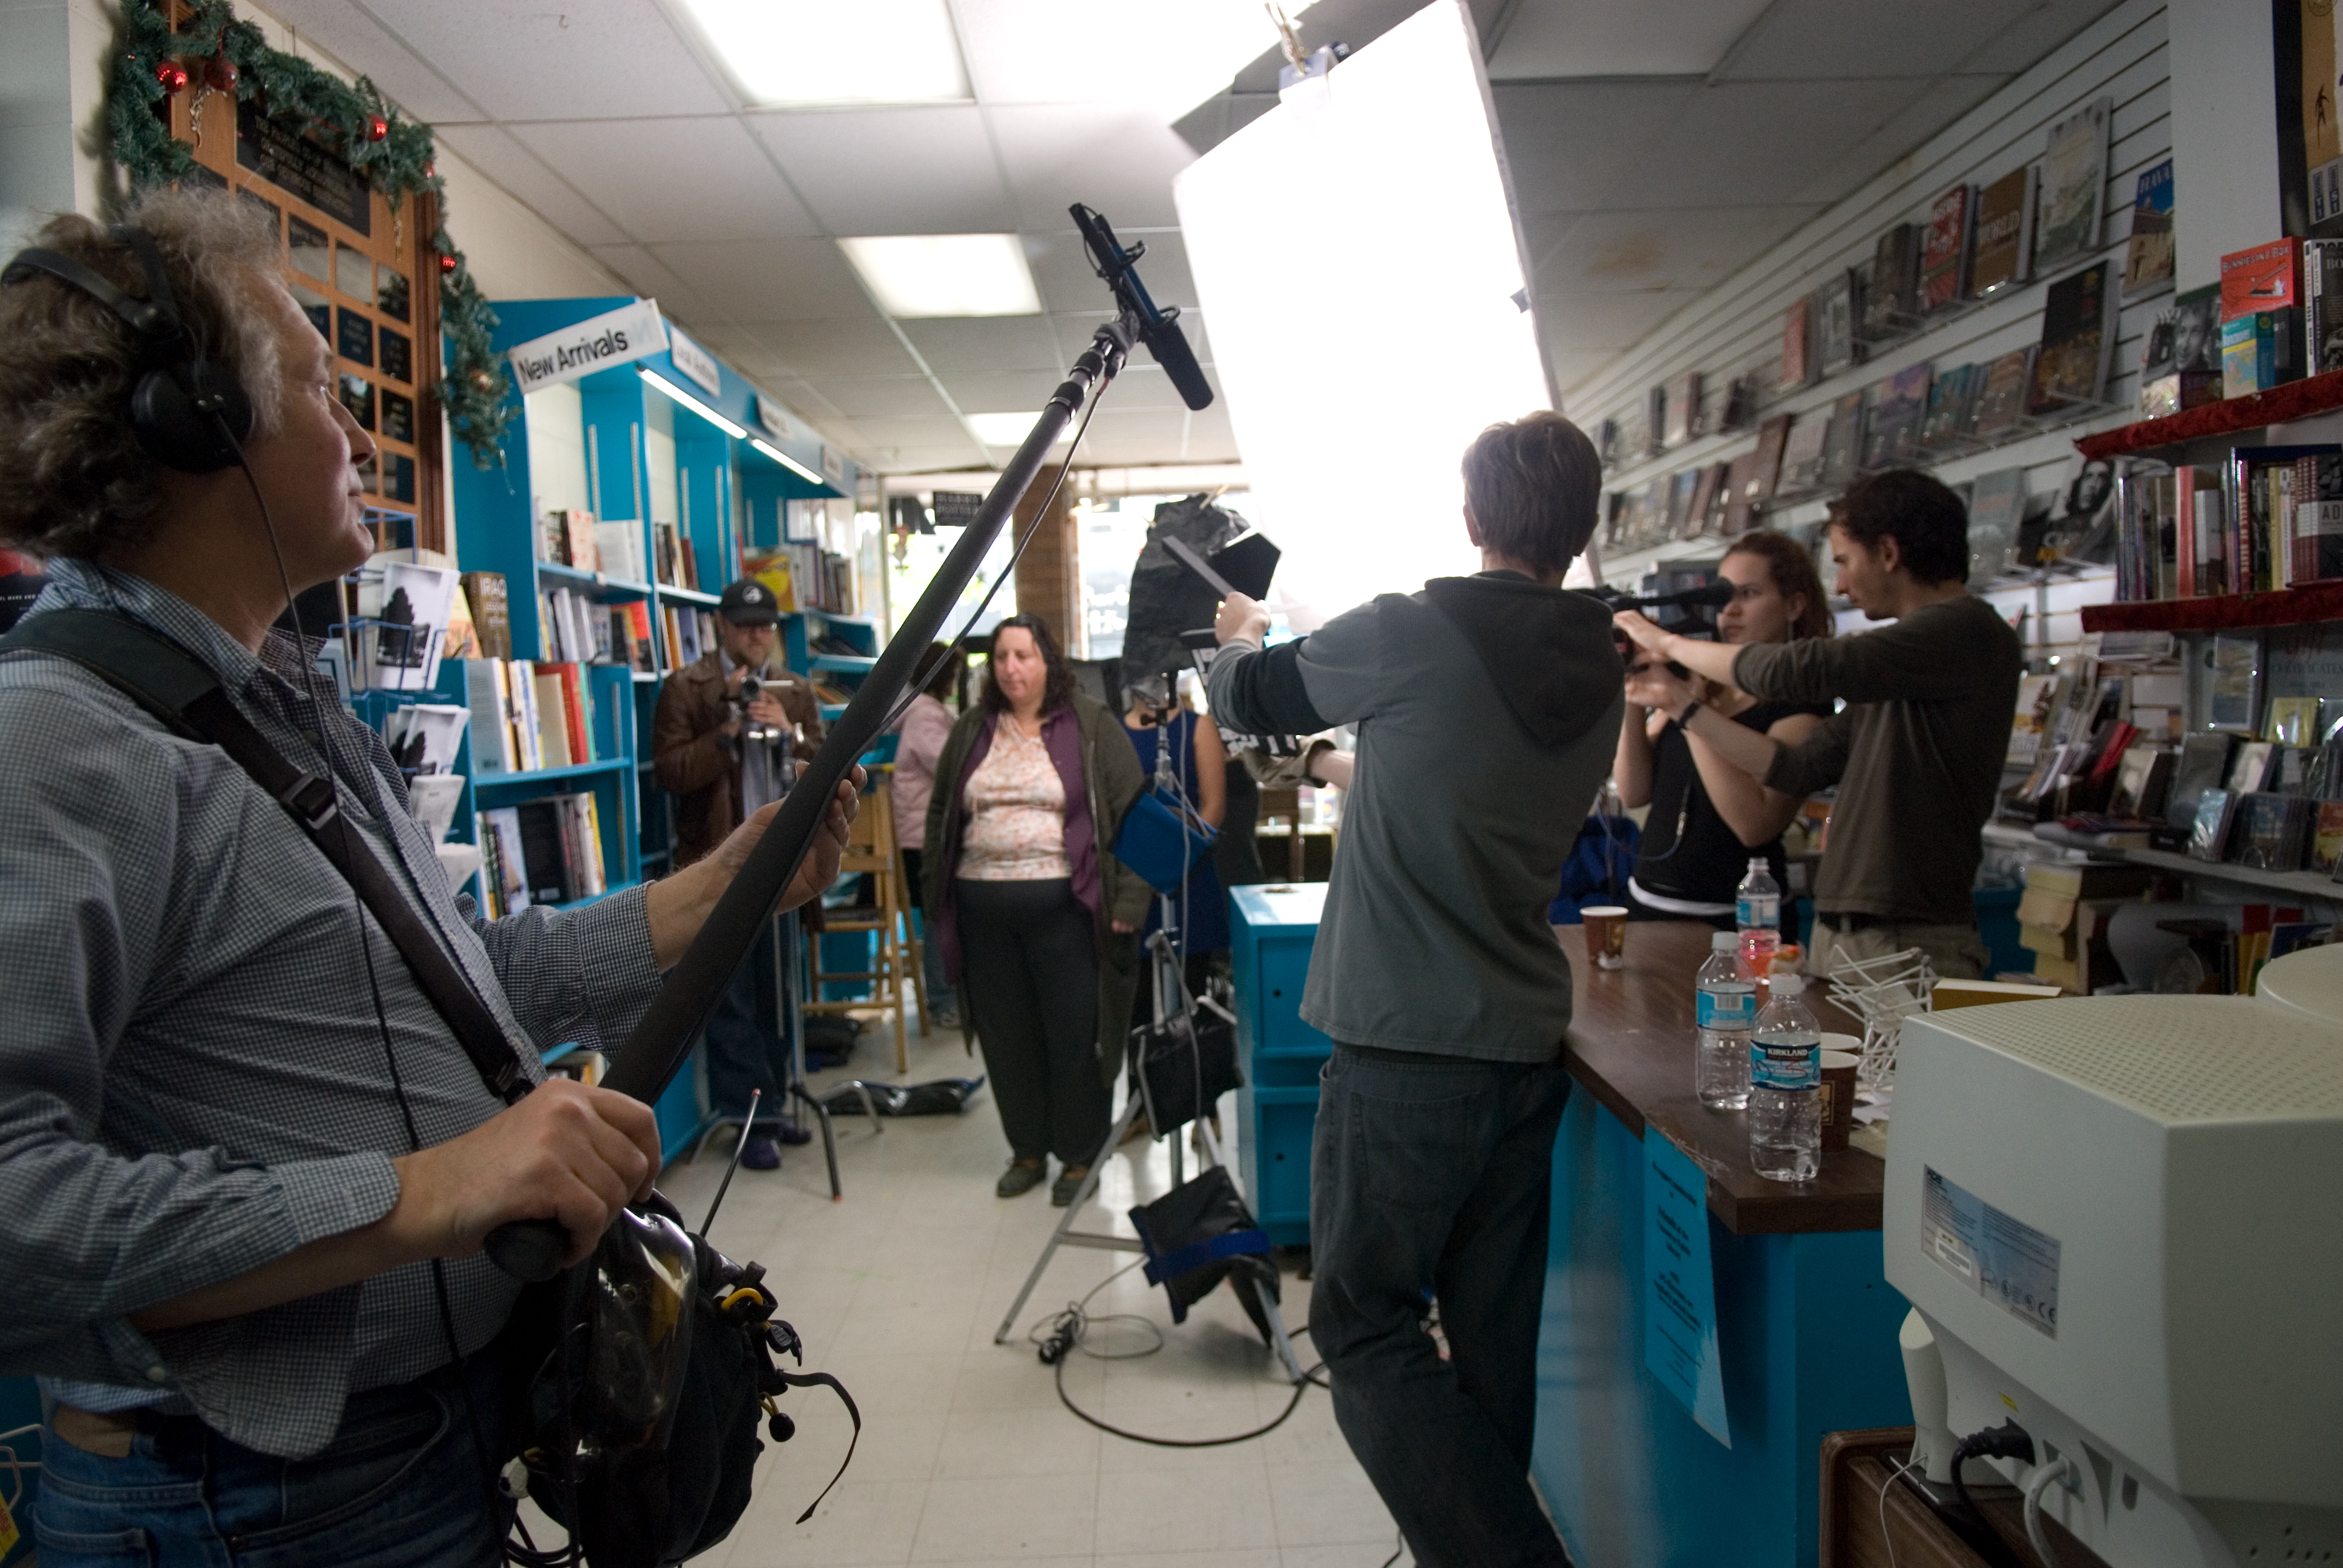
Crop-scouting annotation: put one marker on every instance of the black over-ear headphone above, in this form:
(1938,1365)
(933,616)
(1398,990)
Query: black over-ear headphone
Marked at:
(187,412)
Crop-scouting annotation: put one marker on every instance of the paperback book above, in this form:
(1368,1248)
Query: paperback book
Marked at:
(2077,341)
(1797,340)
(1891,296)
(2322,306)
(1842,442)
(1893,429)
(1684,408)
(1772,436)
(1944,265)
(1997,507)
(2180,361)
(2149,257)
(2261,325)
(1835,303)
(1802,452)
(2074,186)
(2005,234)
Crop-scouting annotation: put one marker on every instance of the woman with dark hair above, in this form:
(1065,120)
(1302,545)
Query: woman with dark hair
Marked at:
(1036,916)
(1709,819)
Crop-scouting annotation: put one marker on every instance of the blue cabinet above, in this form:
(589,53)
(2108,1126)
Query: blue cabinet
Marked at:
(1274,931)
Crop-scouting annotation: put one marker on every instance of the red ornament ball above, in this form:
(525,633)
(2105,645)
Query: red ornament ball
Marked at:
(173,76)
(376,128)
(447,264)
(220,74)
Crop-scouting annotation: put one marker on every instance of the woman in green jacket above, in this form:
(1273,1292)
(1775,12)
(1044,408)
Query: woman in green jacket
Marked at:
(1036,916)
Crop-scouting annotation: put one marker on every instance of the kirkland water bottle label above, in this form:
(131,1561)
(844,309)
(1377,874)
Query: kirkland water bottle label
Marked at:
(1733,1008)
(1762,911)
(1786,1064)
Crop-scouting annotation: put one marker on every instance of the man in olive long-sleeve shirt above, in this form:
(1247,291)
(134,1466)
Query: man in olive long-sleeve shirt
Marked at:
(1916,752)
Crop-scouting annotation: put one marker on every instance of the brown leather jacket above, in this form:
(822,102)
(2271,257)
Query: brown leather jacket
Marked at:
(697,765)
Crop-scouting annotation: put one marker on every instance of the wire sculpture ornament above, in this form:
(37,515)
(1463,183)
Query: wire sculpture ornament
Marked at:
(1883,992)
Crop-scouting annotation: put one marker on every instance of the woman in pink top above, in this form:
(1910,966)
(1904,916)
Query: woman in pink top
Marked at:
(924,728)
(1036,916)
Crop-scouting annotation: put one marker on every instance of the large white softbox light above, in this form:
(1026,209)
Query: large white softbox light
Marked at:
(1358,262)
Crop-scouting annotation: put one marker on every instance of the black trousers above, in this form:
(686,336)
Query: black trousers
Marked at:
(1030,975)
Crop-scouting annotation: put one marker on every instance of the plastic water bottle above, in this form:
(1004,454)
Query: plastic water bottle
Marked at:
(1786,1087)
(1727,1007)
(1758,910)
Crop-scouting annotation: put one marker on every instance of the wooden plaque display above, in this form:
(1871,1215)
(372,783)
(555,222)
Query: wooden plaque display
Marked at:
(368,281)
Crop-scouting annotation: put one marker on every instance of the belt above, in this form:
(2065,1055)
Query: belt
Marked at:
(107,1434)
(1847,920)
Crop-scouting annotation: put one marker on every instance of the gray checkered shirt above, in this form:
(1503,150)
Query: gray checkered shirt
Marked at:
(193,1081)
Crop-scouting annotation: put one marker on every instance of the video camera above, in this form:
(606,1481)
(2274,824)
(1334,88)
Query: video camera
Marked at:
(1707,596)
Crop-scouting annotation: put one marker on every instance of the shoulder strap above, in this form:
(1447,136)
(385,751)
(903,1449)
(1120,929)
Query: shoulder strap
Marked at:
(187,698)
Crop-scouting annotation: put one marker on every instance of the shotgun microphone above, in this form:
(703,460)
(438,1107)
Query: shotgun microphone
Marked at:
(1158,328)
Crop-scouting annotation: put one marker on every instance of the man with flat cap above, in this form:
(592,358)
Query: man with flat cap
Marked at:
(696,751)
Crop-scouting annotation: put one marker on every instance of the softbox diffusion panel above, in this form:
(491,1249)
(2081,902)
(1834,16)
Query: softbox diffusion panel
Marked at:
(1356,252)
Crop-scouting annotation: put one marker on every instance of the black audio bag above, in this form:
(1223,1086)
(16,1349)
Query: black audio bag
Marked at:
(638,1426)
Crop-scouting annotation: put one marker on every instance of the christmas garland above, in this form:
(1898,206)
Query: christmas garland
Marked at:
(215,53)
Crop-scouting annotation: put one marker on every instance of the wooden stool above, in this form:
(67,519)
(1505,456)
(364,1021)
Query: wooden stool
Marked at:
(871,851)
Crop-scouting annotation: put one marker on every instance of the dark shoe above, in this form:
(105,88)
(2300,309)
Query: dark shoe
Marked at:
(1069,1183)
(795,1136)
(1020,1178)
(763,1154)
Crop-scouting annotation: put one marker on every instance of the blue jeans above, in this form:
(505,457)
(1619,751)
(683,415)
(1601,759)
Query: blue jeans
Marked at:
(402,1485)
(1431,1177)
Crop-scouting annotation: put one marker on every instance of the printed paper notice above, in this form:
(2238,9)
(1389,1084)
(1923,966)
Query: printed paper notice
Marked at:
(1679,1290)
(2003,1259)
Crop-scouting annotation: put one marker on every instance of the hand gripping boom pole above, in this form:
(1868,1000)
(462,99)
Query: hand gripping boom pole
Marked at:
(533,1249)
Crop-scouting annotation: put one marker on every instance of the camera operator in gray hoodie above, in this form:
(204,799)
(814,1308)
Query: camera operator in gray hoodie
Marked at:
(1487,709)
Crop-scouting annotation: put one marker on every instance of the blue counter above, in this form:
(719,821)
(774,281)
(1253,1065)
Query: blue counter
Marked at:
(1271,931)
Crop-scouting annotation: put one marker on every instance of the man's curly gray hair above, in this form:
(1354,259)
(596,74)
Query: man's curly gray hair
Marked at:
(73,479)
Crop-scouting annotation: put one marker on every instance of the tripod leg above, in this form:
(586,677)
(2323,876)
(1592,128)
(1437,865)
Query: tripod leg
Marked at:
(1280,1341)
(1057,1238)
(870,1108)
(829,1137)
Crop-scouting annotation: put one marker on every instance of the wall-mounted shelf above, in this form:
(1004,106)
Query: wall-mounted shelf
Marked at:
(600,586)
(2221,612)
(842,664)
(688,595)
(543,775)
(2302,884)
(2231,416)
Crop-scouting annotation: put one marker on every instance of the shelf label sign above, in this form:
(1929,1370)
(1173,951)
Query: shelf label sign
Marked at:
(775,419)
(1679,1287)
(694,362)
(629,333)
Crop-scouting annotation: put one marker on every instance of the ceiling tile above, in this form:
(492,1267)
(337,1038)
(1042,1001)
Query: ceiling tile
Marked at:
(880,397)
(1118,160)
(1919,116)
(943,432)
(653,278)
(1756,142)
(495,154)
(349,33)
(893,171)
(599,59)
(954,344)
(1837,39)
(772,279)
(695,179)
(1003,391)
(1619,38)
(814,350)
(1606,320)
(1571,146)
(1610,252)
(1062,270)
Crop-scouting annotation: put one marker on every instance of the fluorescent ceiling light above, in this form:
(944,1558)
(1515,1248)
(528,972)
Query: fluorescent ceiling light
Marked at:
(818,53)
(695,404)
(785,461)
(932,275)
(1010,429)
(1165,55)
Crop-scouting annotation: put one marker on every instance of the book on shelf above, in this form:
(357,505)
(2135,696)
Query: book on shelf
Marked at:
(1944,260)
(644,648)
(2259,503)
(1797,343)
(1835,305)
(2322,306)
(620,546)
(552,540)
(462,638)
(667,554)
(1741,396)
(2074,186)
(1890,294)
(2077,343)
(2314,543)
(690,563)
(1842,442)
(2261,318)
(1802,451)
(504,865)
(1997,507)
(1680,521)
(404,636)
(559,847)
(1740,482)
(2148,255)
(2180,356)
(2003,256)
(2001,402)
(1772,436)
(1952,405)
(423,737)
(1683,398)
(485,592)
(1893,429)
(1606,452)
(579,536)
(1706,495)
(2201,554)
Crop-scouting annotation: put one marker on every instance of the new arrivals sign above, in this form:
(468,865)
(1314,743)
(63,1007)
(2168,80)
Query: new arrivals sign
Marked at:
(629,332)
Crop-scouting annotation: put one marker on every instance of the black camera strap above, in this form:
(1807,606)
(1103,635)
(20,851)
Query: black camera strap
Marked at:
(187,698)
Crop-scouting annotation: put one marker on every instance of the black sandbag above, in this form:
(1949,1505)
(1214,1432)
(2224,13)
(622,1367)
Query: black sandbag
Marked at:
(944,1096)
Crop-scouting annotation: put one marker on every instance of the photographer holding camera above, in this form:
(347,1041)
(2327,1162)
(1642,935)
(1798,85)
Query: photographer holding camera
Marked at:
(1487,707)
(247,1164)
(698,750)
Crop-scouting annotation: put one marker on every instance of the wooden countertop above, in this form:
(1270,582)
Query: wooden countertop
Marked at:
(1631,1045)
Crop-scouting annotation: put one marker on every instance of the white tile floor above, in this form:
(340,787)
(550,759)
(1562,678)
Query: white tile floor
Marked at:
(967,1456)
